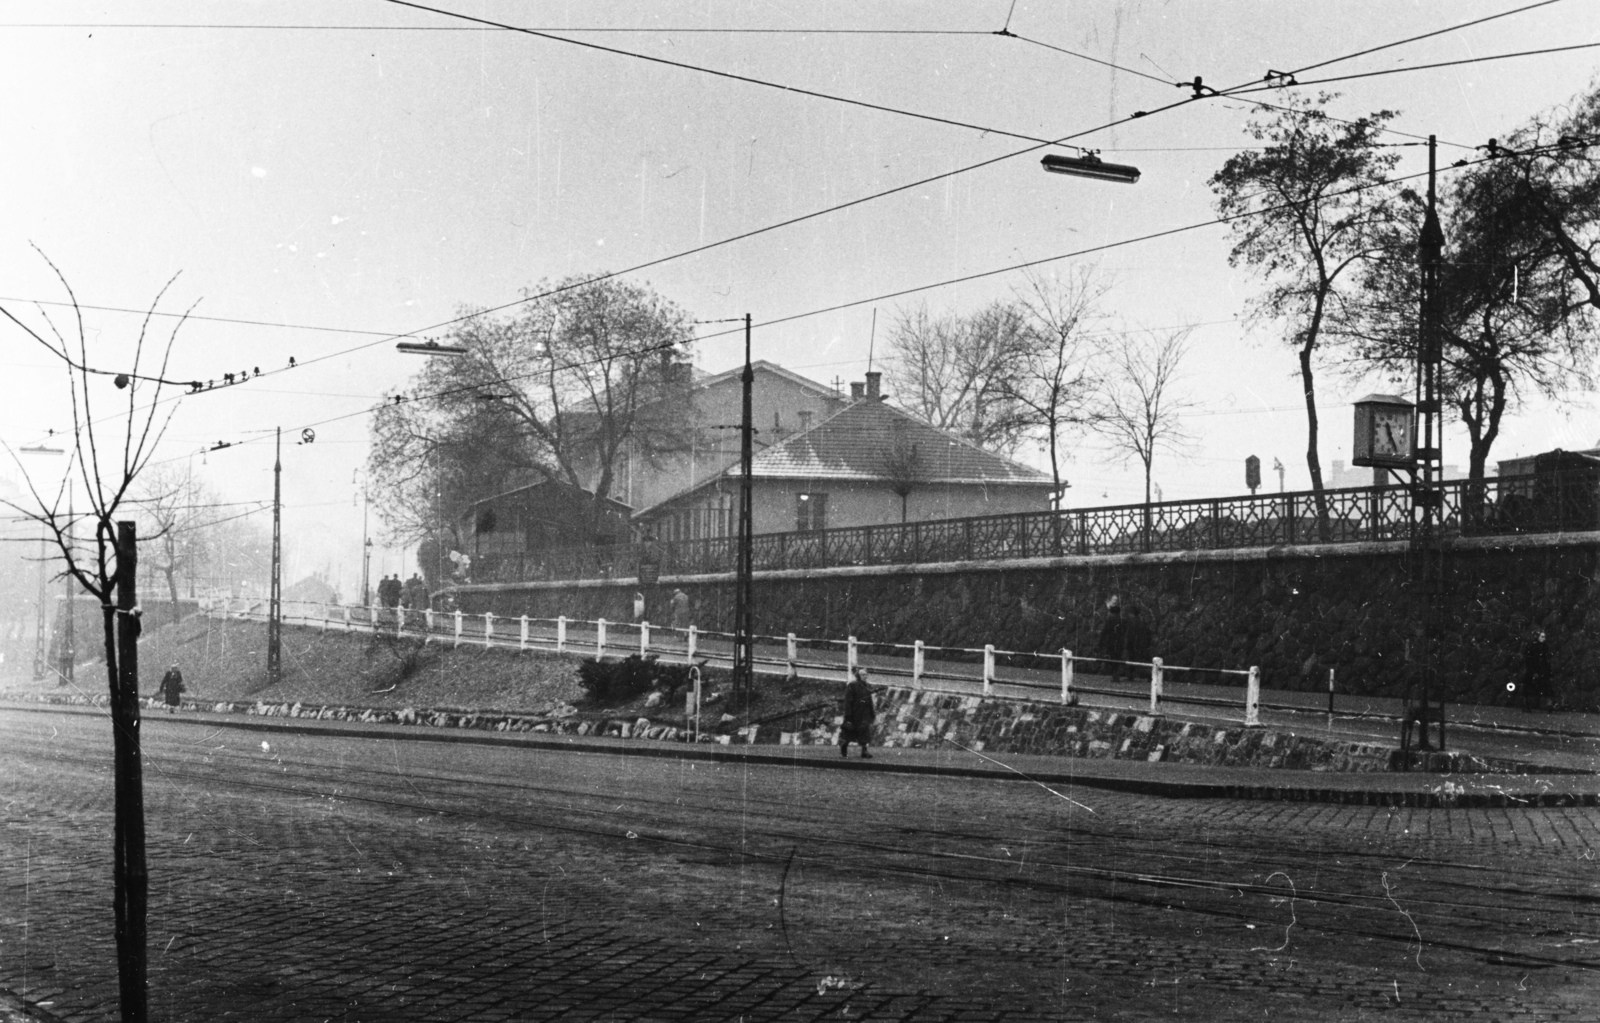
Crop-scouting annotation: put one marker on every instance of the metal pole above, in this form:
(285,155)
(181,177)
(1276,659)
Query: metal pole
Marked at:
(744,641)
(131,882)
(275,599)
(1426,495)
(366,551)
(40,647)
(69,634)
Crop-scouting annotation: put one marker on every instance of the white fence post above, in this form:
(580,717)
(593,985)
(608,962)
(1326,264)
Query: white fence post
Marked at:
(325,617)
(399,621)
(850,656)
(694,634)
(522,640)
(1068,697)
(1330,697)
(427,626)
(988,668)
(644,639)
(1155,685)
(488,629)
(1252,699)
(458,627)
(347,618)
(792,651)
(599,639)
(561,634)
(919,663)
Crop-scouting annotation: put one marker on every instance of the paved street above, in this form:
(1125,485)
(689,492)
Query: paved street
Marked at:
(316,877)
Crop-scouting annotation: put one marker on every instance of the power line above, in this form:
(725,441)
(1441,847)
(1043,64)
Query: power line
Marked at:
(636,30)
(1425,35)
(210,319)
(730,75)
(1421,67)
(1085,56)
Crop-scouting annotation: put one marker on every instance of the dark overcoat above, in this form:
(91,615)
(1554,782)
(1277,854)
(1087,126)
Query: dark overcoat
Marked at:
(859,713)
(172,686)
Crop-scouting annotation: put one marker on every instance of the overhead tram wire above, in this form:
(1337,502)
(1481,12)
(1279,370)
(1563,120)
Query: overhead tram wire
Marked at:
(1009,268)
(730,75)
(838,207)
(1425,35)
(1242,91)
(625,30)
(492,26)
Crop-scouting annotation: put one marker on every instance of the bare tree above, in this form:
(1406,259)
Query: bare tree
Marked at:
(1142,407)
(101,555)
(1054,384)
(184,515)
(903,466)
(960,372)
(1304,211)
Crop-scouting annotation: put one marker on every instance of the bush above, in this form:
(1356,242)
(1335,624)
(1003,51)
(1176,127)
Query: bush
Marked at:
(608,682)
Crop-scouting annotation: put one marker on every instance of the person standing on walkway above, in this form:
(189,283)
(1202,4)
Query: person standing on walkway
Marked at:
(859,713)
(1113,639)
(680,609)
(172,688)
(1535,671)
(1136,640)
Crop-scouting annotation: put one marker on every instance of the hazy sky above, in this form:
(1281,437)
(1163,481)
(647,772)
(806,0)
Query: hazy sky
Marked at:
(340,184)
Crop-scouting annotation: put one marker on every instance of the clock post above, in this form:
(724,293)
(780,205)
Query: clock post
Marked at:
(1427,496)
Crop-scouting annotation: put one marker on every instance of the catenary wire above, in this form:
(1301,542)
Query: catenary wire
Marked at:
(1242,92)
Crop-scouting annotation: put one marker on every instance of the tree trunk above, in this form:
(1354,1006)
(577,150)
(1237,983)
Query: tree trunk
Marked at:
(171,573)
(129,880)
(1313,462)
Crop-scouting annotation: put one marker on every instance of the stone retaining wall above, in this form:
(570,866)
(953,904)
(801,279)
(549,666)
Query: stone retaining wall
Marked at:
(1295,612)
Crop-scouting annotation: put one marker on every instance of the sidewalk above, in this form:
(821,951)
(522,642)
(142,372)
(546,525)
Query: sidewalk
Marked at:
(1169,780)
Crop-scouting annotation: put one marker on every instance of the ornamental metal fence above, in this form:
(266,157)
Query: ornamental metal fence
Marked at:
(1534,503)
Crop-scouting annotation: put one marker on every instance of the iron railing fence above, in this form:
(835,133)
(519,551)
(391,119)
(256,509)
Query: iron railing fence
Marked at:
(1535,503)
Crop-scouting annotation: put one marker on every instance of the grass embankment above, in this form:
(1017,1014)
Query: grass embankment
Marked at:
(224,661)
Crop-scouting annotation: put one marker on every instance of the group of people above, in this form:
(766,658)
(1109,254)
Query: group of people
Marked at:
(412,594)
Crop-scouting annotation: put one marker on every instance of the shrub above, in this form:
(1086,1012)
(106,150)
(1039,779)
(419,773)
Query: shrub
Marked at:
(618,681)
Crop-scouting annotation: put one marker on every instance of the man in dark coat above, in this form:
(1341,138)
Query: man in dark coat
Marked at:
(1535,671)
(1135,637)
(859,713)
(172,688)
(1113,640)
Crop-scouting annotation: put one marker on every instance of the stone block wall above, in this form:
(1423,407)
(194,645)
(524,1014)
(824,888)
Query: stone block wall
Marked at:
(1294,612)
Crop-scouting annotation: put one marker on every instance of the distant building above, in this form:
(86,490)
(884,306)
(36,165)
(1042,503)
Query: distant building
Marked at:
(520,525)
(783,403)
(867,464)
(1525,465)
(1342,478)
(313,589)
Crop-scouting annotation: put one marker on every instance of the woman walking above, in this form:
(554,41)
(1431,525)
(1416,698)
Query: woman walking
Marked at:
(859,713)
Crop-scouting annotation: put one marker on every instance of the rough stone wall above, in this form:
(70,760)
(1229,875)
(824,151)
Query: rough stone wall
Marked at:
(1294,614)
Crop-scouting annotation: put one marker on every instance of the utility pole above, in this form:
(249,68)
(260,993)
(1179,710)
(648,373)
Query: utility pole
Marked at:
(275,599)
(744,627)
(130,882)
(1427,544)
(40,647)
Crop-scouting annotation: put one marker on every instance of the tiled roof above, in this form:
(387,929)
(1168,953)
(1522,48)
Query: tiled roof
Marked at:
(862,440)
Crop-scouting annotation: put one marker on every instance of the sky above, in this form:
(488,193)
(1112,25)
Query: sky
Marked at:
(321,177)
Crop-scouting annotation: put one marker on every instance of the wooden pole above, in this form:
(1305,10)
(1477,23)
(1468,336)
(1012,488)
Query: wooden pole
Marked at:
(130,882)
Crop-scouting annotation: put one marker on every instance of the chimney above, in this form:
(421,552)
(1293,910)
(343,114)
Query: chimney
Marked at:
(873,378)
(856,388)
(805,420)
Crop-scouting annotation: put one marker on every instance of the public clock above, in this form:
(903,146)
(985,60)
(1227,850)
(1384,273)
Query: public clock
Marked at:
(1385,432)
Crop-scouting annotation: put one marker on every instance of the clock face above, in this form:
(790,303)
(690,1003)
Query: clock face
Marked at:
(1391,435)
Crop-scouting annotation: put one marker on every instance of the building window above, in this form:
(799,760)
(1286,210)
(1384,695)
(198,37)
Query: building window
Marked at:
(811,512)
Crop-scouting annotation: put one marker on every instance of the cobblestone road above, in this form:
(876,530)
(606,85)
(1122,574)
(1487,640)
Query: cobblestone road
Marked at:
(317,878)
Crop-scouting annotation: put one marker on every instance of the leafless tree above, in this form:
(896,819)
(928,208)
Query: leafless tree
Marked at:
(904,466)
(1142,406)
(108,450)
(960,372)
(1053,383)
(186,521)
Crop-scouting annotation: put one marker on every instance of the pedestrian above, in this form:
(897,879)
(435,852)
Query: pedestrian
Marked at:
(389,591)
(1136,638)
(421,599)
(680,609)
(1113,640)
(859,713)
(172,687)
(1535,671)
